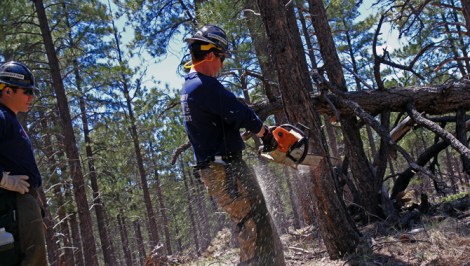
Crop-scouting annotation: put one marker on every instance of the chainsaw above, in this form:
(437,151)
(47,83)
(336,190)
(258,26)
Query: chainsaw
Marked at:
(292,147)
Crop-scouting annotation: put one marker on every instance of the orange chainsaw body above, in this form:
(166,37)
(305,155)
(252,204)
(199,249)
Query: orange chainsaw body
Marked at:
(284,138)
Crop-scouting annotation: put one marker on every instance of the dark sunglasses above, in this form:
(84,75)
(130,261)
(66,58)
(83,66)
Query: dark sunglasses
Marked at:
(26,91)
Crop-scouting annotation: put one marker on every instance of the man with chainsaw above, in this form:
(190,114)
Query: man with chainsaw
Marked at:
(213,118)
(20,213)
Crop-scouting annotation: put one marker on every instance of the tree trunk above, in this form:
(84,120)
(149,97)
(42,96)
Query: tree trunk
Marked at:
(124,238)
(189,196)
(461,134)
(140,242)
(153,229)
(166,226)
(433,100)
(69,139)
(68,255)
(359,164)
(339,234)
(51,239)
(258,35)
(76,240)
(51,236)
(98,204)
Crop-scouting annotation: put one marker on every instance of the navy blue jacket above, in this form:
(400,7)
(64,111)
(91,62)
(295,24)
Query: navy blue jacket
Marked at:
(213,117)
(16,153)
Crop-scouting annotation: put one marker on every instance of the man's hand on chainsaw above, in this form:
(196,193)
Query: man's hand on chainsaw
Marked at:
(269,143)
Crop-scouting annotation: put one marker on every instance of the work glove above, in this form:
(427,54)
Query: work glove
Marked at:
(269,143)
(16,183)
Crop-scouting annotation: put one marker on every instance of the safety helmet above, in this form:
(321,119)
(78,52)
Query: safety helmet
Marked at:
(14,73)
(213,35)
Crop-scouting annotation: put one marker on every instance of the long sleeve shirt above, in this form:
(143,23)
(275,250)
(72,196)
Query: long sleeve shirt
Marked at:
(16,153)
(213,117)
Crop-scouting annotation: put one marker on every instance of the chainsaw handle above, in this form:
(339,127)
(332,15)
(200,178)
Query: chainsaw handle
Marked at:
(303,141)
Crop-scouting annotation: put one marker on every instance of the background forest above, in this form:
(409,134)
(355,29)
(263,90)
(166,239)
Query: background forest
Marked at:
(108,136)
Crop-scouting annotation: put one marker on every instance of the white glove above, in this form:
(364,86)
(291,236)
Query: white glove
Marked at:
(16,183)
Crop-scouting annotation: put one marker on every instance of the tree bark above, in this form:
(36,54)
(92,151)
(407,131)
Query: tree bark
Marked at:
(339,234)
(461,134)
(51,238)
(140,242)
(69,139)
(433,100)
(194,227)
(124,237)
(53,247)
(361,169)
(166,226)
(76,240)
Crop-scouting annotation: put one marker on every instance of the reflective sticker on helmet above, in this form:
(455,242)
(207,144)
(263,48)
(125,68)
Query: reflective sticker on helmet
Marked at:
(11,75)
(215,36)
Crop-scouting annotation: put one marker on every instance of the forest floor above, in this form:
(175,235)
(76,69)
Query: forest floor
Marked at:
(441,238)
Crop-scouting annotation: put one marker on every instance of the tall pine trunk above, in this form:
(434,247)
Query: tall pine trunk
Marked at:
(153,229)
(124,237)
(338,232)
(359,164)
(70,143)
(189,200)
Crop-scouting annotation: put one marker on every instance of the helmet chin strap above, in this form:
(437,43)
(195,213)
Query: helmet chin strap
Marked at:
(190,64)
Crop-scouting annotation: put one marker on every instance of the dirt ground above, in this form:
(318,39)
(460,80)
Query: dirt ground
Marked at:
(431,240)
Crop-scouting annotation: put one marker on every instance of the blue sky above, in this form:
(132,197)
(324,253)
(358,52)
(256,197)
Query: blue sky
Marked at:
(166,69)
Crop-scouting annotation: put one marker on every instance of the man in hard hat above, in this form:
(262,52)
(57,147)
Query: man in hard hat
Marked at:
(213,117)
(19,175)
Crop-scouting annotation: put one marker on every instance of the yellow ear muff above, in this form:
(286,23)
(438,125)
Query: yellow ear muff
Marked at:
(2,86)
(207,47)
